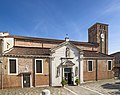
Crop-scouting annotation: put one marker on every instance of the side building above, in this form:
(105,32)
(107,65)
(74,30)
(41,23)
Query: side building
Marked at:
(33,62)
(116,68)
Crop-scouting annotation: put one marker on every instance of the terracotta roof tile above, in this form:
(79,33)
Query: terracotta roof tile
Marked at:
(94,54)
(29,51)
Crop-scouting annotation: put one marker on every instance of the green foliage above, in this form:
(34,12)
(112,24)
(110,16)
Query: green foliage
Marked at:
(77,81)
(63,82)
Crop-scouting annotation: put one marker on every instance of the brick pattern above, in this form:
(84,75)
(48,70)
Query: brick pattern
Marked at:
(117,64)
(16,80)
(94,36)
(43,79)
(80,45)
(102,72)
(27,43)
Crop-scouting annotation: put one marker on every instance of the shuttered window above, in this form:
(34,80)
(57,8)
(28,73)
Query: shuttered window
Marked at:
(39,67)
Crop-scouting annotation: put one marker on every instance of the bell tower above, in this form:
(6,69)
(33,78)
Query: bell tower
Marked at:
(98,33)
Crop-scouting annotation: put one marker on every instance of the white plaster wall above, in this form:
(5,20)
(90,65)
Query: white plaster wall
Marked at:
(56,61)
(7,40)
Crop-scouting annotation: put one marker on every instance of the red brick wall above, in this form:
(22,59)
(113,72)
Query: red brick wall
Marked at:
(42,80)
(102,72)
(48,45)
(88,76)
(16,80)
(11,81)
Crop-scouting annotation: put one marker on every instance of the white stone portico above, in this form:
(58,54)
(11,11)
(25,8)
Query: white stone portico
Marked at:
(66,64)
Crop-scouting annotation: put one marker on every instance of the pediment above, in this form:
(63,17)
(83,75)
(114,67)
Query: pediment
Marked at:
(66,43)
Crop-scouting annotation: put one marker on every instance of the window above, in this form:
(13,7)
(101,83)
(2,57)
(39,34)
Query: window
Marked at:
(39,66)
(109,65)
(90,65)
(12,66)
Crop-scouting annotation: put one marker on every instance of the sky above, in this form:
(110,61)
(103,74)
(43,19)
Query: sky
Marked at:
(56,18)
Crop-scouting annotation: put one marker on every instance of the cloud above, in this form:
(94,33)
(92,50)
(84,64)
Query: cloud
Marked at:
(112,7)
(37,26)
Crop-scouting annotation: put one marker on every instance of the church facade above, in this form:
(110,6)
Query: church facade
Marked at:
(33,62)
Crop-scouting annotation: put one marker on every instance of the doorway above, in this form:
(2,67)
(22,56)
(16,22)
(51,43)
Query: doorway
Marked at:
(68,75)
(26,80)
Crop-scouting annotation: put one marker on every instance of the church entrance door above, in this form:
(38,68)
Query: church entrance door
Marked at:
(68,75)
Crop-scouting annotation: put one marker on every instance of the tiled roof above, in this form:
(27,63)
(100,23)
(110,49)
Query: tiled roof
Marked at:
(94,54)
(114,54)
(52,41)
(29,51)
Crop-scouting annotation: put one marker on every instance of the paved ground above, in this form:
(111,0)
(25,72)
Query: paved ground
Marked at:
(81,91)
(35,91)
(103,87)
(106,87)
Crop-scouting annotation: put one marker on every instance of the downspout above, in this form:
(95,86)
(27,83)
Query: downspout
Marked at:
(79,66)
(96,70)
(50,71)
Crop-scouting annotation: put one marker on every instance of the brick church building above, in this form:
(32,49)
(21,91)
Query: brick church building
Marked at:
(33,62)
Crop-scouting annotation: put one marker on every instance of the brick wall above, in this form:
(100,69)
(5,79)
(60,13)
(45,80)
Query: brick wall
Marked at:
(94,35)
(48,45)
(102,71)
(16,80)
(43,79)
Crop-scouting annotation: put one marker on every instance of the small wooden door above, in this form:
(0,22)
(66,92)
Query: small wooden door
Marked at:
(26,80)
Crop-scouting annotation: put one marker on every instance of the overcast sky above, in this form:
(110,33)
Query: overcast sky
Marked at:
(56,18)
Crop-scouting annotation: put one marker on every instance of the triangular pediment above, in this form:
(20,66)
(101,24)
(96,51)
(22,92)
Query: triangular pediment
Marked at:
(68,63)
(66,43)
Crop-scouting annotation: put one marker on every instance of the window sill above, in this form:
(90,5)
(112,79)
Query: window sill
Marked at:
(90,71)
(13,74)
(39,73)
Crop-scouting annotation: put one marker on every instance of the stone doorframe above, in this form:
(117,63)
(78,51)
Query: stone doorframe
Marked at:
(22,79)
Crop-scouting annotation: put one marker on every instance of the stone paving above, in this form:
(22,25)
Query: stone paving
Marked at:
(106,87)
(81,91)
(35,91)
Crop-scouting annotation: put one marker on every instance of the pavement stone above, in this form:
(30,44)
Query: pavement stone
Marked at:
(106,87)
(81,91)
(35,91)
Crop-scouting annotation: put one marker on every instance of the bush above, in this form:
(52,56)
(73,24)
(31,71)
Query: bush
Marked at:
(77,81)
(63,82)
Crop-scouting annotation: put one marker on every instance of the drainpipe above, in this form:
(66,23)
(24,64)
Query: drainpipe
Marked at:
(1,75)
(96,70)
